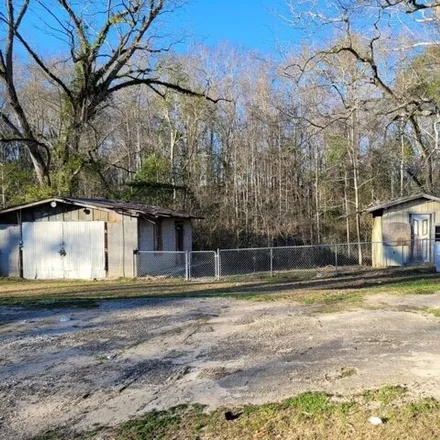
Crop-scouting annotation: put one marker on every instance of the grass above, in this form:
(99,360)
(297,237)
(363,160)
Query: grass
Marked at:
(348,372)
(312,415)
(418,287)
(17,292)
(333,291)
(435,312)
(328,298)
(384,395)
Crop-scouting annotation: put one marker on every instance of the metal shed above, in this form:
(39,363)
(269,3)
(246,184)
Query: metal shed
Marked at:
(405,230)
(84,238)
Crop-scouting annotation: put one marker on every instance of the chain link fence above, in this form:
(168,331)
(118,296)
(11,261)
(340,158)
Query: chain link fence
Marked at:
(282,259)
(241,262)
(161,264)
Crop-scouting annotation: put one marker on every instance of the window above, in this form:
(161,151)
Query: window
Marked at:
(179,236)
(425,227)
(416,227)
(437,232)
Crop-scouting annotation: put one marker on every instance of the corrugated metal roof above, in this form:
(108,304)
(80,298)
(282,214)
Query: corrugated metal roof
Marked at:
(401,201)
(129,208)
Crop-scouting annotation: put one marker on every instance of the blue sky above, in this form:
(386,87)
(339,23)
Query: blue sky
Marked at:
(253,24)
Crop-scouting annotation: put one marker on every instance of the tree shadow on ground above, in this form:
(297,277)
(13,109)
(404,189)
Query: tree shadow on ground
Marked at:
(144,293)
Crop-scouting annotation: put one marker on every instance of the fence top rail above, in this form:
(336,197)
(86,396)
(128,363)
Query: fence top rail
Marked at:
(297,246)
(303,246)
(160,252)
(327,245)
(247,249)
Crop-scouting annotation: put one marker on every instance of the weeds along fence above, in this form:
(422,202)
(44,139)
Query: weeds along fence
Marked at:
(235,262)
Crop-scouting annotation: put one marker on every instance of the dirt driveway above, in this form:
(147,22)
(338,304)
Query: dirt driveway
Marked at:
(82,368)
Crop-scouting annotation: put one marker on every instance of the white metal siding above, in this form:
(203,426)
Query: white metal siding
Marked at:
(41,246)
(84,246)
(83,243)
(122,241)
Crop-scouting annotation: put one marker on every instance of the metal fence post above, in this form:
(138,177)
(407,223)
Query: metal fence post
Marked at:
(271,262)
(187,271)
(336,257)
(217,266)
(135,254)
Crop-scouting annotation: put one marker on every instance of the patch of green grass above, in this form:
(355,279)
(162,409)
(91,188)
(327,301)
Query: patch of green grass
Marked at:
(311,415)
(269,409)
(385,395)
(309,403)
(427,405)
(348,372)
(435,312)
(55,303)
(332,290)
(329,298)
(163,425)
(427,286)
(268,297)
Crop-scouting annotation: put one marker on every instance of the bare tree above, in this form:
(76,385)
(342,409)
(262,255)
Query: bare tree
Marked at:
(112,46)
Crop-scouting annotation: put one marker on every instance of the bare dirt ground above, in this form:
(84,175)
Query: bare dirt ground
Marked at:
(103,365)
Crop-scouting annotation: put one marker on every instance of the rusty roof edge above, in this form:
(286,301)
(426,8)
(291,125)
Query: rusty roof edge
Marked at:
(100,204)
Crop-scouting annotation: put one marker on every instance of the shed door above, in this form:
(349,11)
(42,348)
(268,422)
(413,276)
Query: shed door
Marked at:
(56,250)
(84,247)
(420,236)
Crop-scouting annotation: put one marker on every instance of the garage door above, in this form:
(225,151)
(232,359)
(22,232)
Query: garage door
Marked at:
(56,250)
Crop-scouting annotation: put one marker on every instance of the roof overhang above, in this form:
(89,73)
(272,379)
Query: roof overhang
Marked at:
(88,204)
(400,201)
(32,204)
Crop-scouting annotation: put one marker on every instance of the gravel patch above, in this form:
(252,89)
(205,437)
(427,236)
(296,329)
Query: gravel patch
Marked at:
(107,364)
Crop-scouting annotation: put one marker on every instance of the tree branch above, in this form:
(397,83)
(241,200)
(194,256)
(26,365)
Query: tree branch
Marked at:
(152,82)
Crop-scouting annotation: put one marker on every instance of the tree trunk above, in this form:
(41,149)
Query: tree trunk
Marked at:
(355,161)
(347,212)
(40,167)
(402,160)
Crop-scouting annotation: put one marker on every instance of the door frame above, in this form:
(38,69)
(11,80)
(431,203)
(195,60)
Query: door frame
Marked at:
(179,235)
(430,217)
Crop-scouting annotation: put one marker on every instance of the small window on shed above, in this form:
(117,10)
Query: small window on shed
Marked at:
(437,232)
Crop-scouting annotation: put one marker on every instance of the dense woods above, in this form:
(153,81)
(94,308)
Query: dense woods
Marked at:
(272,151)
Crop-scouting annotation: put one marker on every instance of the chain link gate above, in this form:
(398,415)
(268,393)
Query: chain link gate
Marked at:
(170,264)
(162,264)
(202,264)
